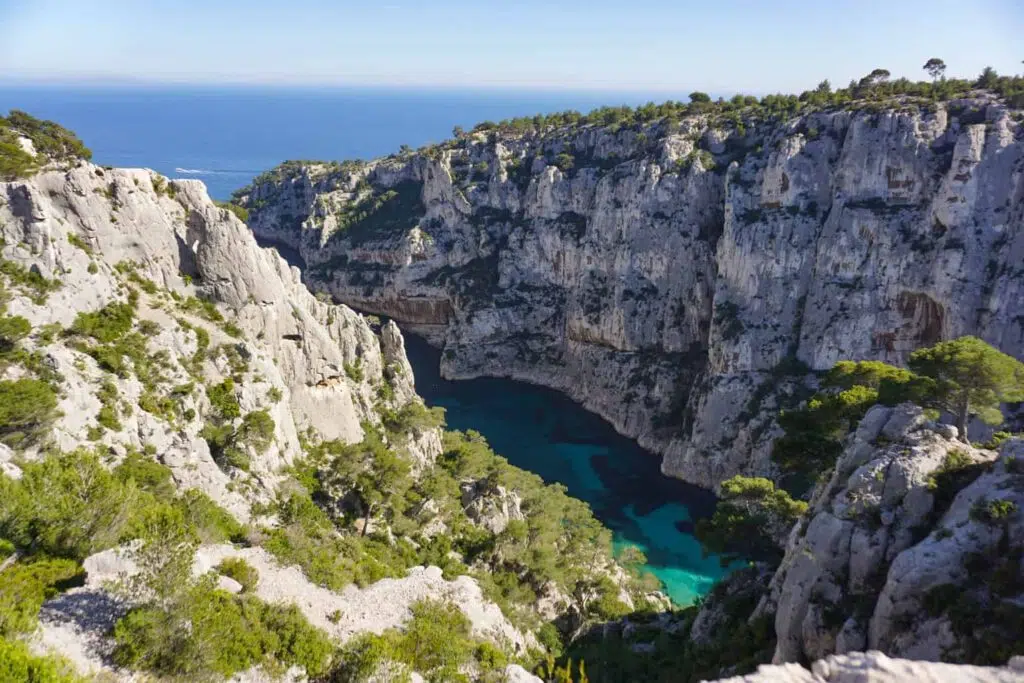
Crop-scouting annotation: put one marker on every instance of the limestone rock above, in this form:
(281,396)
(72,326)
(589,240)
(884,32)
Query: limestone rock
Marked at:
(677,300)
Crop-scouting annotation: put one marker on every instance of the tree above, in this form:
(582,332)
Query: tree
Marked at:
(971,378)
(697,97)
(824,88)
(751,520)
(988,78)
(27,407)
(874,78)
(935,67)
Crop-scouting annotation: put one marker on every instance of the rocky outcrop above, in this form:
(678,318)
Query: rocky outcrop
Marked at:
(902,544)
(875,667)
(673,277)
(99,233)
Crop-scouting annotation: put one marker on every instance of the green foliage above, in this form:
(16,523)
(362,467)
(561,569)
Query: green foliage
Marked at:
(241,213)
(70,505)
(750,520)
(207,310)
(435,642)
(213,523)
(29,281)
(414,417)
(229,444)
(27,409)
(241,571)
(19,665)
(51,142)
(223,400)
(355,370)
(13,328)
(733,644)
(993,511)
(391,212)
(971,378)
(208,632)
(25,586)
(256,431)
(814,433)
(107,325)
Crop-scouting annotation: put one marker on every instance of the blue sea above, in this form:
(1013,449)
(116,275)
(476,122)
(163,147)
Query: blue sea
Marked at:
(225,136)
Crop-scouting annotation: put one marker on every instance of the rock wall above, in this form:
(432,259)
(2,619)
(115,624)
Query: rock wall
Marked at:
(99,233)
(912,548)
(673,276)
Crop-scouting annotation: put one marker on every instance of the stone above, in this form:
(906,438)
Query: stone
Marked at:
(702,286)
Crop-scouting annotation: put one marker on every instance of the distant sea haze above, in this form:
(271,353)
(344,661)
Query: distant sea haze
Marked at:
(225,136)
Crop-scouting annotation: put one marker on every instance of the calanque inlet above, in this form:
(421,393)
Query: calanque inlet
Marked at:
(658,394)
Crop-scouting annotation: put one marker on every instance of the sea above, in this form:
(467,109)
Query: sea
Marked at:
(225,136)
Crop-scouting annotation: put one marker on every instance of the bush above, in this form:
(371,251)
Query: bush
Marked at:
(13,329)
(24,587)
(241,571)
(19,665)
(256,431)
(212,522)
(147,474)
(210,632)
(27,408)
(223,400)
(106,325)
(66,505)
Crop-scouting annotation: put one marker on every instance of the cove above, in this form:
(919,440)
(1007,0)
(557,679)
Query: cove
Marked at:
(545,432)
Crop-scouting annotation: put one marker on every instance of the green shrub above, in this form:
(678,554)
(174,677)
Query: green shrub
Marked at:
(19,665)
(355,370)
(27,409)
(223,401)
(146,474)
(993,511)
(213,523)
(76,241)
(67,505)
(24,587)
(435,642)
(106,325)
(240,212)
(241,571)
(256,431)
(13,328)
(209,632)
(750,520)
(29,281)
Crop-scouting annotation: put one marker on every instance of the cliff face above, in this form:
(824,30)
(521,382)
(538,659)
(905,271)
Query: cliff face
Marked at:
(97,234)
(678,278)
(912,548)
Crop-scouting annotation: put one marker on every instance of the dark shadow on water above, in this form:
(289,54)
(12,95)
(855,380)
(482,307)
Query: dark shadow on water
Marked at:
(545,432)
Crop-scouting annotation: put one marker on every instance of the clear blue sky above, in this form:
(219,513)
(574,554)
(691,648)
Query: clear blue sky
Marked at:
(721,46)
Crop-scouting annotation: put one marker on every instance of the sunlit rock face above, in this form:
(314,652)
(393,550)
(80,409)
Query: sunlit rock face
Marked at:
(677,278)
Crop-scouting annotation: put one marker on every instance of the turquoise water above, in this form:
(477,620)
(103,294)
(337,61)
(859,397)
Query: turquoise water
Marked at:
(545,432)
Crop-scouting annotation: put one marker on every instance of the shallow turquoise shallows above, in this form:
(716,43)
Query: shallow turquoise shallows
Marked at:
(543,431)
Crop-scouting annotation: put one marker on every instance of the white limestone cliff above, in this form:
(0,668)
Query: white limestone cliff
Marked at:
(673,299)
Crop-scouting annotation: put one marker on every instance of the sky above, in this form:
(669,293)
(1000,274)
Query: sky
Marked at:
(719,46)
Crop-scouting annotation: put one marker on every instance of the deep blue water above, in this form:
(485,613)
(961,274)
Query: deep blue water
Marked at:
(224,136)
(547,433)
